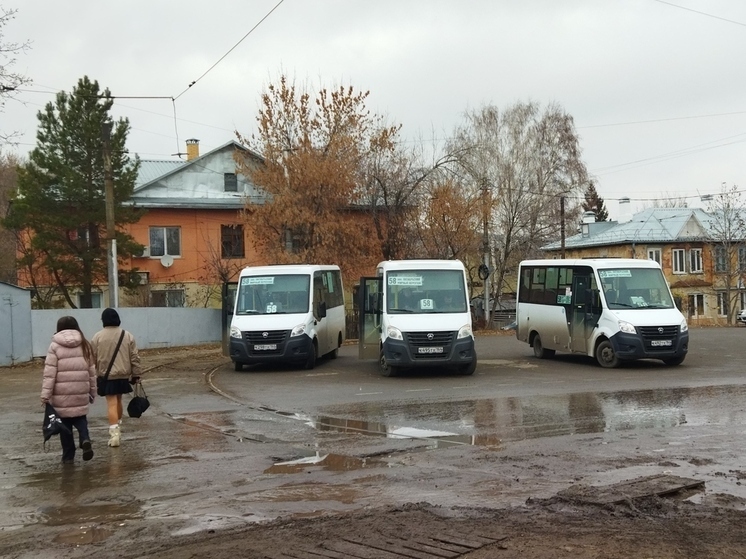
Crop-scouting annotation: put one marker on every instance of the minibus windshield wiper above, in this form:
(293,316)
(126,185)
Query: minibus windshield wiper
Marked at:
(402,310)
(249,311)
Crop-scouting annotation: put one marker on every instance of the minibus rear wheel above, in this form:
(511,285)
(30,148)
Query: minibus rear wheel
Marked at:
(539,350)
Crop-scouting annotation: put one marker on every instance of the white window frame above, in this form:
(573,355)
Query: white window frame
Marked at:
(695,261)
(655,255)
(678,261)
(96,297)
(163,230)
(692,310)
(722,304)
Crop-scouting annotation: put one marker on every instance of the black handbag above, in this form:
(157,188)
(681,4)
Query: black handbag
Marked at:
(139,402)
(52,424)
(101,381)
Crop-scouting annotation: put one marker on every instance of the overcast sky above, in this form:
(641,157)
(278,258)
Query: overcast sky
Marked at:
(656,88)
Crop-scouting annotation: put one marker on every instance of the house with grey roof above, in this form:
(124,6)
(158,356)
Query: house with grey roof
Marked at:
(706,277)
(193,227)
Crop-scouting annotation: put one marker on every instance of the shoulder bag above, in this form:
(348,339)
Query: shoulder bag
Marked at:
(101,381)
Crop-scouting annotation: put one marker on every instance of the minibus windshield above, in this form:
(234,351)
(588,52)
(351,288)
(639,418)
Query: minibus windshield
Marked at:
(425,291)
(273,294)
(635,288)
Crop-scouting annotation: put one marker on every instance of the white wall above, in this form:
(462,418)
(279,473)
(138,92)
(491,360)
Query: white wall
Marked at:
(153,327)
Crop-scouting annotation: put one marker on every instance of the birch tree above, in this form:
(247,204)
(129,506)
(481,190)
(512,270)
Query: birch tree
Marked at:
(727,236)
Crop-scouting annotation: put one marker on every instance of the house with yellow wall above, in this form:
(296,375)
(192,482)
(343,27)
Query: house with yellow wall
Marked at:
(681,240)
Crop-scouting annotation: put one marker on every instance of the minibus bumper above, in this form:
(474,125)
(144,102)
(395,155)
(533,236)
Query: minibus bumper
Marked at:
(399,353)
(295,349)
(634,346)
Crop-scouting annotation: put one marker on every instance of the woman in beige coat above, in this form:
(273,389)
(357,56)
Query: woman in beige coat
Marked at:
(125,370)
(69,384)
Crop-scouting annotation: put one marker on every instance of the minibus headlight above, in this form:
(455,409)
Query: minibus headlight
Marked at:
(235,332)
(464,332)
(394,333)
(298,330)
(626,327)
(684,326)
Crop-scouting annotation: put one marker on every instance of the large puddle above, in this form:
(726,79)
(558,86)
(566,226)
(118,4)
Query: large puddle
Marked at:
(492,421)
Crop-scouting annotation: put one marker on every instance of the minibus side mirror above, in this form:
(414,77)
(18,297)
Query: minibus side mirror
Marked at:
(322,309)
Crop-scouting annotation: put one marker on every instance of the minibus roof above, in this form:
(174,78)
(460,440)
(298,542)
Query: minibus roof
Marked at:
(283,269)
(595,262)
(424,264)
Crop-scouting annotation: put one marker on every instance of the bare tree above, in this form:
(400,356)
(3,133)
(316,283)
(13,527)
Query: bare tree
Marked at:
(727,235)
(523,161)
(9,81)
(8,185)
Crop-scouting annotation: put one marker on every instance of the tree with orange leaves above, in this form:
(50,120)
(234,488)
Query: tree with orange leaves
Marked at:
(313,148)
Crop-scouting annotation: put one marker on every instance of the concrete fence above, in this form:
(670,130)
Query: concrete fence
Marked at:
(153,327)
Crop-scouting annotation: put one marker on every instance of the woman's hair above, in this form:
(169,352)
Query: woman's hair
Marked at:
(69,323)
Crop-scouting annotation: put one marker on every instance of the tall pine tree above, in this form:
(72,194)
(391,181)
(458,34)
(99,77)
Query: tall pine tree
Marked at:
(60,204)
(594,203)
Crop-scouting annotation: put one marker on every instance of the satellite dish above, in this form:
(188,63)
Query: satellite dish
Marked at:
(167,261)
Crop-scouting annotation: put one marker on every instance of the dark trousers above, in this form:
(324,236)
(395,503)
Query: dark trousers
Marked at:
(68,441)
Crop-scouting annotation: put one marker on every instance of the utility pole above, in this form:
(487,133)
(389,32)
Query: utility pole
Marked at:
(486,256)
(111,232)
(562,225)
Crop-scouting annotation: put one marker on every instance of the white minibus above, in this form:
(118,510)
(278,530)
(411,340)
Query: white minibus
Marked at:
(415,313)
(613,309)
(287,313)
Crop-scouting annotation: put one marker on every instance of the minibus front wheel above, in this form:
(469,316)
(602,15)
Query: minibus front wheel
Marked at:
(606,356)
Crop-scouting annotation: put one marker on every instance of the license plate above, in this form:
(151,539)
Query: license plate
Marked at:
(430,350)
(262,347)
(658,343)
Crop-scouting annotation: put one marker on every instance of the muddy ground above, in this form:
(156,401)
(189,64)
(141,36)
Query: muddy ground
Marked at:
(472,503)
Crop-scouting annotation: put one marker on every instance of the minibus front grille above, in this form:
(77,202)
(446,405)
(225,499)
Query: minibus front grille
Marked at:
(421,342)
(265,336)
(266,342)
(653,335)
(658,332)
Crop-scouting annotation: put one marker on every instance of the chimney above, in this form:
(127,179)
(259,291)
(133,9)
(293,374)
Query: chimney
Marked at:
(625,211)
(192,149)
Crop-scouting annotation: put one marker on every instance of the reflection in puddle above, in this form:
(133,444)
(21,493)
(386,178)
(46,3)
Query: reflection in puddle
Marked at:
(88,514)
(330,462)
(83,536)
(488,422)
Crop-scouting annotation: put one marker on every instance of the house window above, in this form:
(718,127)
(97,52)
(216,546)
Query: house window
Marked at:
(695,261)
(292,241)
(721,259)
(678,261)
(654,254)
(231,241)
(723,304)
(167,298)
(230,182)
(742,259)
(165,240)
(696,306)
(96,300)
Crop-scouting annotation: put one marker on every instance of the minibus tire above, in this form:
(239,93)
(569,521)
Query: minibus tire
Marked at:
(237,366)
(606,356)
(311,359)
(386,369)
(674,361)
(539,351)
(469,369)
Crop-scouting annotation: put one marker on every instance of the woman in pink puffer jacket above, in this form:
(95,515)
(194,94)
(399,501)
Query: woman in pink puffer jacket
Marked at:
(69,384)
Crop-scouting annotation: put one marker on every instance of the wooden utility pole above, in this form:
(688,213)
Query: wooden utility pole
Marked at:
(111,231)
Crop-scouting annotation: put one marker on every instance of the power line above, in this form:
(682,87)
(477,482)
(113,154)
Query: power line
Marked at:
(701,13)
(229,50)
